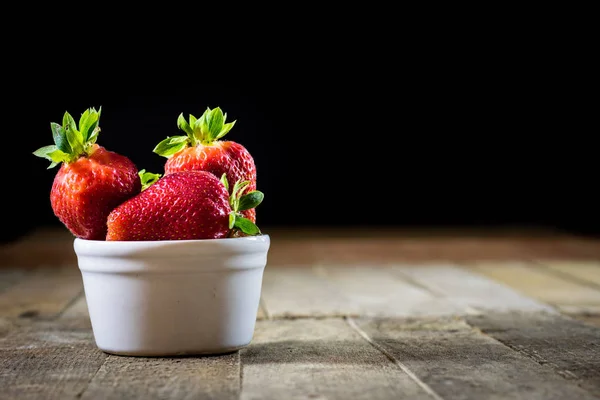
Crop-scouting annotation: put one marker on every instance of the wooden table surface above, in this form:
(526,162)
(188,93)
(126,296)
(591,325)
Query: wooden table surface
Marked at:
(350,314)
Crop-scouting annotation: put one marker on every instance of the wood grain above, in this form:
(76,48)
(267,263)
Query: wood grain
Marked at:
(587,273)
(568,346)
(588,319)
(319,359)
(47,360)
(216,377)
(45,247)
(469,290)
(458,362)
(334,291)
(584,309)
(10,276)
(262,310)
(298,292)
(345,314)
(540,284)
(378,291)
(77,309)
(43,294)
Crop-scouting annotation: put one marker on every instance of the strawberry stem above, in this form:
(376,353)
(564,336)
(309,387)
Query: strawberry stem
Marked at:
(210,127)
(72,140)
(239,202)
(148,178)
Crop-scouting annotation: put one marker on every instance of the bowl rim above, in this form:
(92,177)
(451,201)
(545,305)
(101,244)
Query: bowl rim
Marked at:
(259,238)
(172,256)
(104,248)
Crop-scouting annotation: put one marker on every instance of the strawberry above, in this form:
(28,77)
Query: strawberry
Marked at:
(91,180)
(202,148)
(184,205)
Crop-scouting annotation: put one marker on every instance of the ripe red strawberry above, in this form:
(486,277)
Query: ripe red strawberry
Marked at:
(202,149)
(184,205)
(91,180)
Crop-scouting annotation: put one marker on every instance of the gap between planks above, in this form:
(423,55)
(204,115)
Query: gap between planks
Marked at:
(319,358)
(567,345)
(393,359)
(106,377)
(310,357)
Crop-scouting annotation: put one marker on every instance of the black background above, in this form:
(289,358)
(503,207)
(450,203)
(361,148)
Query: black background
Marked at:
(338,141)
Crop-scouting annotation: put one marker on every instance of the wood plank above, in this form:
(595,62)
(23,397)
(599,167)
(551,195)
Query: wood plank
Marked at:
(216,377)
(566,345)
(299,292)
(10,276)
(77,309)
(360,246)
(470,290)
(539,283)
(375,290)
(47,360)
(458,362)
(286,252)
(43,248)
(334,291)
(6,326)
(262,310)
(584,272)
(44,294)
(588,319)
(319,359)
(579,310)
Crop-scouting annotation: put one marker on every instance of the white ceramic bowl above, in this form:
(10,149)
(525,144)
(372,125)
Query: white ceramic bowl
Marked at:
(161,298)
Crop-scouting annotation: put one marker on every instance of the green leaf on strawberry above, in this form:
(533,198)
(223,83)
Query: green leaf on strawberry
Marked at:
(70,140)
(239,203)
(68,121)
(192,120)
(88,124)
(93,128)
(250,200)
(53,154)
(238,188)
(216,127)
(214,122)
(45,151)
(184,126)
(60,137)
(171,145)
(225,182)
(83,124)
(148,178)
(246,226)
(73,135)
(210,127)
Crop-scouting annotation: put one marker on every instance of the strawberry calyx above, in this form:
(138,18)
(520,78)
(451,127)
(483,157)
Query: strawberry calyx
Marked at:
(71,139)
(148,178)
(210,127)
(238,203)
